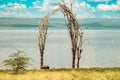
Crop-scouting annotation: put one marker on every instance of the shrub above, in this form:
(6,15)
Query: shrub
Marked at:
(17,60)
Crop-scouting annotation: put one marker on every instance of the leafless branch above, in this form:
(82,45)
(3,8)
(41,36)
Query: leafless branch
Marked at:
(43,27)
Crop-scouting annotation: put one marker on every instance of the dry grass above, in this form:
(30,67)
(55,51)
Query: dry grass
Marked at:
(64,74)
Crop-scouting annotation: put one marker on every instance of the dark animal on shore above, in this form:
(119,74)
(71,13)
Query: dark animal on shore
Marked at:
(45,67)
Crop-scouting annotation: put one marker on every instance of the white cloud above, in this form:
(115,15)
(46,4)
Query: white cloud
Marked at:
(2,14)
(13,7)
(118,2)
(85,15)
(108,16)
(9,4)
(112,7)
(20,10)
(105,7)
(16,14)
(43,7)
(69,1)
(83,6)
(99,0)
(83,10)
(3,6)
(13,10)
(19,6)
(36,3)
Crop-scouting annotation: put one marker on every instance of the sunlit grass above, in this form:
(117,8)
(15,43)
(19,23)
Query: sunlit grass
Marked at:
(64,74)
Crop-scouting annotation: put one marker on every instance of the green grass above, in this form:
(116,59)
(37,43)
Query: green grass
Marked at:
(64,74)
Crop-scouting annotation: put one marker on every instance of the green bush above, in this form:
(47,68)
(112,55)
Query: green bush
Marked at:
(18,61)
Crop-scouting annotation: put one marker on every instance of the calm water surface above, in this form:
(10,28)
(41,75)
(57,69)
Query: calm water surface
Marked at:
(103,49)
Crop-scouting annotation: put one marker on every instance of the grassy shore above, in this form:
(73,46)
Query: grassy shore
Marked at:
(64,74)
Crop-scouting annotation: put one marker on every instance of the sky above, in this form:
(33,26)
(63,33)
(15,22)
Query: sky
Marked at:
(38,8)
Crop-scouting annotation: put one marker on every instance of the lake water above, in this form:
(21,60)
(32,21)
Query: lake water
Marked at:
(103,49)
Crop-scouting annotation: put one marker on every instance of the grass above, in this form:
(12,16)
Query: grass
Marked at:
(64,74)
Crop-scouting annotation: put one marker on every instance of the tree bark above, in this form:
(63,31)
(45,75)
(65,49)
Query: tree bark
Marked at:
(78,59)
(78,62)
(73,55)
(41,59)
(73,61)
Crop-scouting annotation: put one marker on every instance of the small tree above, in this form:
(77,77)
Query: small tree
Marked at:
(17,60)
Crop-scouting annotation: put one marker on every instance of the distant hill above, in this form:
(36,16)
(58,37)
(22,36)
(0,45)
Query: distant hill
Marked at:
(91,23)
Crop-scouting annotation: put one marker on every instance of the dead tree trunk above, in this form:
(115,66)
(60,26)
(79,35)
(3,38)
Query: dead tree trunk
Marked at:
(73,59)
(43,27)
(72,28)
(78,58)
(79,47)
(41,60)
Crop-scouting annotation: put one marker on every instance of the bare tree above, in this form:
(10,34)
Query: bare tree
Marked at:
(73,29)
(76,35)
(43,27)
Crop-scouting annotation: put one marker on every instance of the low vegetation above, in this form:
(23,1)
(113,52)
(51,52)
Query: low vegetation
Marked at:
(64,74)
(17,61)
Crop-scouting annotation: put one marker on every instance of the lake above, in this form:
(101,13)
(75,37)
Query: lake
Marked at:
(103,49)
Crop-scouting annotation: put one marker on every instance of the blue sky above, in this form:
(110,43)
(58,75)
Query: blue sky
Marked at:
(38,8)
